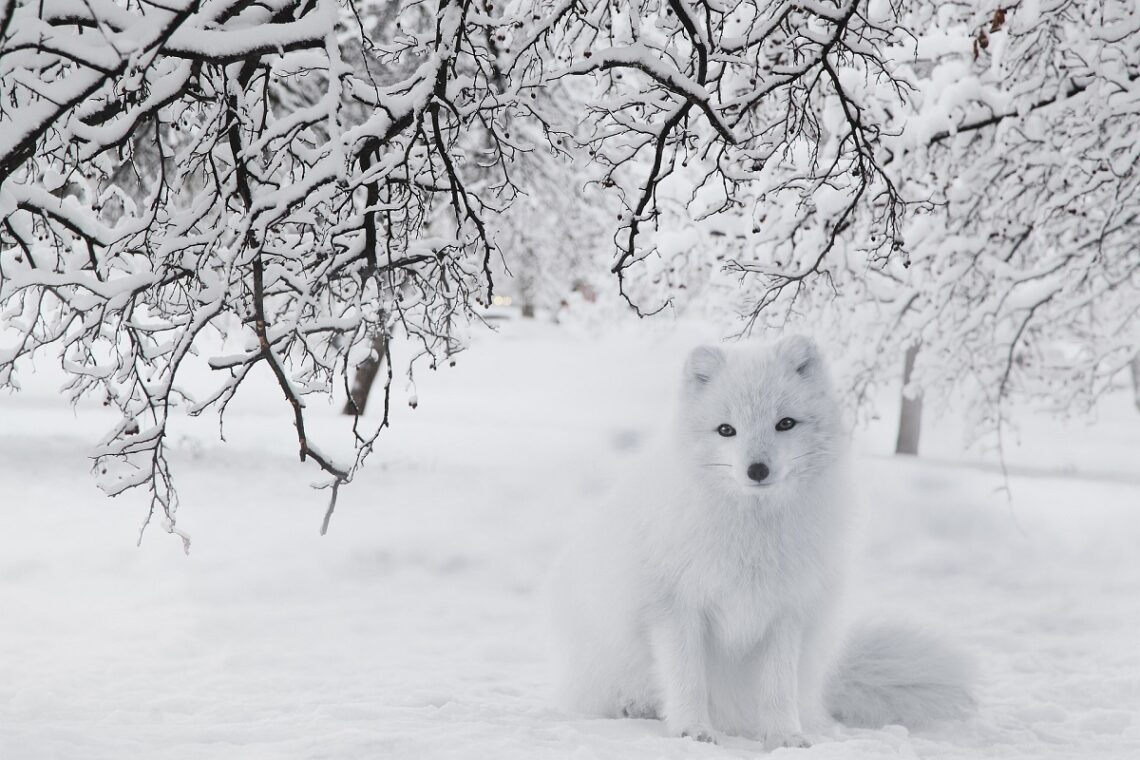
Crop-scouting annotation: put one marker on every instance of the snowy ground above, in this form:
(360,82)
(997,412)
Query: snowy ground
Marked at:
(413,630)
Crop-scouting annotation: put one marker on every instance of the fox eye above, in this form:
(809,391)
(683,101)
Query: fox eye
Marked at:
(726,430)
(785,424)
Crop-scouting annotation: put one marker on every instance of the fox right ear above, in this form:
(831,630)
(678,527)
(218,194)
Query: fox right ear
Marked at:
(802,353)
(703,364)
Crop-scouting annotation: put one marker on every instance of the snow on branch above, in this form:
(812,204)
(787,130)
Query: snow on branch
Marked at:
(266,182)
(282,183)
(753,95)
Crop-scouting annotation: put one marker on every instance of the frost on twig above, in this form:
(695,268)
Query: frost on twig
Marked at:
(702,107)
(293,180)
(289,178)
(884,174)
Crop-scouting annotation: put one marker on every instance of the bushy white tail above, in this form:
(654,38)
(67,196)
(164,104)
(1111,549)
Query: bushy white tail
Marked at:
(894,674)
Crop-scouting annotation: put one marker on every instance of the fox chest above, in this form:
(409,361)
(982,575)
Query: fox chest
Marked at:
(738,603)
(737,618)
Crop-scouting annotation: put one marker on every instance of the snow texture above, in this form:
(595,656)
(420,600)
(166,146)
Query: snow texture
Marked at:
(413,629)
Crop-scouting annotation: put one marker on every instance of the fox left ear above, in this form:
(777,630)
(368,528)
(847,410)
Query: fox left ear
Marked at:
(802,354)
(703,364)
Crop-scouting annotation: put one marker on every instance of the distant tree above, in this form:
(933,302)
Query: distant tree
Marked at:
(1021,130)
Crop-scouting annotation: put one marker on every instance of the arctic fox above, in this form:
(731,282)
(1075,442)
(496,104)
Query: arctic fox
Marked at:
(707,595)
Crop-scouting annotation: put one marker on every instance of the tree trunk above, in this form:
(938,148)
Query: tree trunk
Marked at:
(1134,365)
(910,413)
(366,376)
(526,288)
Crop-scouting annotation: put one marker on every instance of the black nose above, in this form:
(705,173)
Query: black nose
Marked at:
(758,471)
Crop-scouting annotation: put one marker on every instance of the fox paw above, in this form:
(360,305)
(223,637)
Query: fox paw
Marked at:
(699,733)
(776,740)
(639,711)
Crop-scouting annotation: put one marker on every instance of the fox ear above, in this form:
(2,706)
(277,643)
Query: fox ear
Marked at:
(802,354)
(703,365)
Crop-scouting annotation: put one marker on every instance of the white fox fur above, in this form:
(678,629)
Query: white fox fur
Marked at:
(707,597)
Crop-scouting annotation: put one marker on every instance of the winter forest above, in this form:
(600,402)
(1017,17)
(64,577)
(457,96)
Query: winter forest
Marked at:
(359,308)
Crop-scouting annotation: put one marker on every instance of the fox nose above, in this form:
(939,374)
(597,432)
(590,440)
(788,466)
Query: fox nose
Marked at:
(758,471)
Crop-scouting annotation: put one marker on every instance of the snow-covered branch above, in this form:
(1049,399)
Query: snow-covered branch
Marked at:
(264,182)
(284,183)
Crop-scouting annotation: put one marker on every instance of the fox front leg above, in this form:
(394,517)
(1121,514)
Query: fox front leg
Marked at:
(778,663)
(679,656)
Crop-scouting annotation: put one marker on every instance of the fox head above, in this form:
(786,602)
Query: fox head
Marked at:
(758,420)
